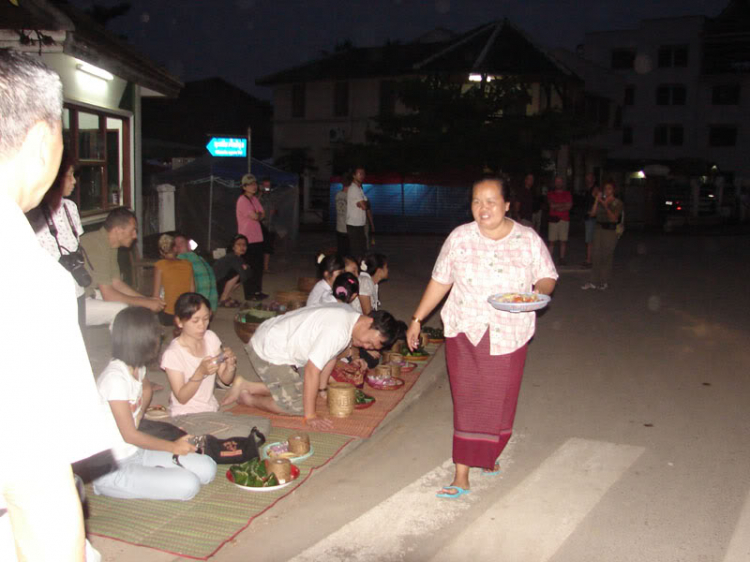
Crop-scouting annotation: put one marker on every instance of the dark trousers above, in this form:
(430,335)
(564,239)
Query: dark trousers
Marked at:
(357,240)
(342,243)
(254,259)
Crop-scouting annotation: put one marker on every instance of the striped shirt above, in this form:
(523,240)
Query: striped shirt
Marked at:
(205,280)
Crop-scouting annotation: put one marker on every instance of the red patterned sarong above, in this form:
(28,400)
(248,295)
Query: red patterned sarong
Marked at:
(485,392)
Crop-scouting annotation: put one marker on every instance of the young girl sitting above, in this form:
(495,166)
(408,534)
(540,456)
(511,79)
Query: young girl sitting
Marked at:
(231,270)
(195,358)
(329,268)
(373,270)
(351,266)
(173,275)
(345,288)
(147,467)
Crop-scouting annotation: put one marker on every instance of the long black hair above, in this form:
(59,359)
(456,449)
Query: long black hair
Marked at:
(136,336)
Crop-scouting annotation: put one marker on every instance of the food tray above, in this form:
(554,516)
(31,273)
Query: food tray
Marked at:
(366,404)
(377,385)
(541,302)
(294,460)
(295,475)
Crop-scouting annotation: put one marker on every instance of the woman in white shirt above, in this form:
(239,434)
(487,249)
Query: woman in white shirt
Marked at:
(329,267)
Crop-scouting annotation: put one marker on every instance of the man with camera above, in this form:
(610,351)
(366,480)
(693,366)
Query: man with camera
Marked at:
(108,294)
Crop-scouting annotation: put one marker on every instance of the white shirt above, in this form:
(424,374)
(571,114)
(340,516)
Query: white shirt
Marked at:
(317,334)
(368,288)
(116,383)
(354,215)
(63,408)
(322,293)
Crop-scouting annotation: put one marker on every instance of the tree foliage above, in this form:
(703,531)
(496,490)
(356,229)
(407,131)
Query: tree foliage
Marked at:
(452,125)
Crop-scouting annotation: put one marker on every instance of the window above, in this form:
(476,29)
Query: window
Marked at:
(623,58)
(673,56)
(627,135)
(671,95)
(298,100)
(669,135)
(387,97)
(341,99)
(629,95)
(722,135)
(725,94)
(100,144)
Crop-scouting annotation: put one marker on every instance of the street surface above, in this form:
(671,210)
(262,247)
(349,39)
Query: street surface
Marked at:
(630,443)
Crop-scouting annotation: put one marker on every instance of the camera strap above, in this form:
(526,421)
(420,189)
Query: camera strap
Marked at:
(53,232)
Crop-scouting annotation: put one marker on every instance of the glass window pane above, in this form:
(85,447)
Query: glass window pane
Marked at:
(90,187)
(90,141)
(114,161)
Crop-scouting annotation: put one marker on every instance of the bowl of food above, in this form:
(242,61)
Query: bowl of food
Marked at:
(255,476)
(247,321)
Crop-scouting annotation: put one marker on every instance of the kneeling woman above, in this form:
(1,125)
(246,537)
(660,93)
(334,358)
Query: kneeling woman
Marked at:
(147,467)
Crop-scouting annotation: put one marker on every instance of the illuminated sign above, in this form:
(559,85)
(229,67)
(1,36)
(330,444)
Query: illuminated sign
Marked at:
(227,147)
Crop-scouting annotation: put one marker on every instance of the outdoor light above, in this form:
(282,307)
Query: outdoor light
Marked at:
(478,78)
(192,244)
(94,71)
(640,174)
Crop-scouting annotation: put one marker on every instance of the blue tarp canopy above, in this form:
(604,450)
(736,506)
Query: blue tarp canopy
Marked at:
(206,192)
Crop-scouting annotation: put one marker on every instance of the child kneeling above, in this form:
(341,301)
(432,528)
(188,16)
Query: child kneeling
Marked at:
(147,467)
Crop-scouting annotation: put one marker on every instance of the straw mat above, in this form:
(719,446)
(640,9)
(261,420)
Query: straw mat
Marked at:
(200,527)
(362,423)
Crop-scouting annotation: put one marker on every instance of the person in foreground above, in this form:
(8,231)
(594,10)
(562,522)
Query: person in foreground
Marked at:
(147,467)
(485,348)
(294,355)
(40,510)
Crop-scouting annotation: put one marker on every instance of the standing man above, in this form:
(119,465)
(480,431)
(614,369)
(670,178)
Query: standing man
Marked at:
(203,274)
(560,202)
(342,238)
(523,201)
(356,214)
(108,293)
(40,511)
(589,221)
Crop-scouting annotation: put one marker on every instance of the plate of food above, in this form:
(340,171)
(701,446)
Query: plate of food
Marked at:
(434,335)
(253,476)
(418,354)
(280,450)
(156,413)
(391,383)
(407,367)
(519,302)
(362,401)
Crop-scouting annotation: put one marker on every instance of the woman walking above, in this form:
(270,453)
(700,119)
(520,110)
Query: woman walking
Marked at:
(485,348)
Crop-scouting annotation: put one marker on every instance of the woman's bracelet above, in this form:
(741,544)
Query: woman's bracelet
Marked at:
(322,389)
(417,320)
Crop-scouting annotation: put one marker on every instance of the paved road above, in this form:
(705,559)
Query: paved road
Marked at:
(630,441)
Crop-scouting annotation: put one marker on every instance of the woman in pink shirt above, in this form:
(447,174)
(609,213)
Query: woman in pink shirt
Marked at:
(249,214)
(485,348)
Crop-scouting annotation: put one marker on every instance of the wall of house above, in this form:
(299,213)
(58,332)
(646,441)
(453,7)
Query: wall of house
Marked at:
(84,88)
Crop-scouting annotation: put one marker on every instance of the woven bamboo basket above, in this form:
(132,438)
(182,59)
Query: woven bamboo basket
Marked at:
(299,443)
(282,468)
(306,284)
(340,399)
(291,299)
(398,346)
(245,330)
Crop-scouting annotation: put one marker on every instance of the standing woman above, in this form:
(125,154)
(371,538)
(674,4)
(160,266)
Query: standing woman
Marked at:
(485,348)
(57,212)
(249,215)
(607,210)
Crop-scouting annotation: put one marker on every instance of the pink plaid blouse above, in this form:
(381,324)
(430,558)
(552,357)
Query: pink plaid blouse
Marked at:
(478,267)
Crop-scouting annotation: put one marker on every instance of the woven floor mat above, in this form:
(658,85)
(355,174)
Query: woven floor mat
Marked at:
(362,423)
(200,527)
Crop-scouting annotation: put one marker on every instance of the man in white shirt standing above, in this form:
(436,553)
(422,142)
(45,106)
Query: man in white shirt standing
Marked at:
(57,411)
(356,214)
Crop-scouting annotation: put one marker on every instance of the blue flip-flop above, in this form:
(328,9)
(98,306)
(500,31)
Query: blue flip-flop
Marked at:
(490,473)
(459,492)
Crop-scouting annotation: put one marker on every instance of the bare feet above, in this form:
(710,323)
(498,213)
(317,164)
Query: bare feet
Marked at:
(232,394)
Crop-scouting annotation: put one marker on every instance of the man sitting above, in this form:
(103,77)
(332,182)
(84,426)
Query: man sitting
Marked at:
(108,293)
(294,355)
(203,274)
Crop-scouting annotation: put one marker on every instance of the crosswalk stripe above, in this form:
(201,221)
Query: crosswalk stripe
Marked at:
(739,546)
(532,521)
(382,532)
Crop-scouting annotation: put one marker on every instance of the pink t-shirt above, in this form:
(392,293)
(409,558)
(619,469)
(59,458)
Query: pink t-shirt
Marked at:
(479,267)
(179,358)
(560,197)
(245,224)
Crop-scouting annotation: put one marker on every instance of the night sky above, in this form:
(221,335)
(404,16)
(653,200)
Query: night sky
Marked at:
(242,40)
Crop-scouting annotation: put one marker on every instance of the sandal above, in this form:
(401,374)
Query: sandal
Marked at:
(229,303)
